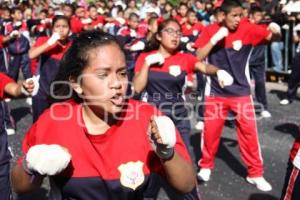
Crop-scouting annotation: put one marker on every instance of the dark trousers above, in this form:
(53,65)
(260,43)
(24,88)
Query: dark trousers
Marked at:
(200,93)
(19,61)
(294,79)
(258,73)
(291,188)
(38,106)
(5,190)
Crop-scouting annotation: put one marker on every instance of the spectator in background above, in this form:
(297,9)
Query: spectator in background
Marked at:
(294,77)
(277,46)
(257,65)
(131,9)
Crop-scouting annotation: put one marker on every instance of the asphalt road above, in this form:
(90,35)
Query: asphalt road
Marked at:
(276,136)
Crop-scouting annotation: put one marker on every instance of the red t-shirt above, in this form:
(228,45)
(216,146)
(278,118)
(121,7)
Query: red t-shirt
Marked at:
(4,80)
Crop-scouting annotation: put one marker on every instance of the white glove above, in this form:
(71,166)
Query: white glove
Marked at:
(133,33)
(184,39)
(41,29)
(189,46)
(36,85)
(155,58)
(47,159)
(18,24)
(296,29)
(86,21)
(273,27)
(166,130)
(285,27)
(99,26)
(53,39)
(14,34)
(222,32)
(139,46)
(224,78)
(43,21)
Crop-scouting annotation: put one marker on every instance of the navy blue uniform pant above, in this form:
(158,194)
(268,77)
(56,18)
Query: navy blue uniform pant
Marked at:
(258,74)
(294,79)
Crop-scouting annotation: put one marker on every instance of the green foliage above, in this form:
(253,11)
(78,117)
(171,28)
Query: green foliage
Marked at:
(174,2)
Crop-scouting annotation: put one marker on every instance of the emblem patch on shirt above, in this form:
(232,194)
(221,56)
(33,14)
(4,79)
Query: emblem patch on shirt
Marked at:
(237,45)
(132,174)
(174,70)
(195,32)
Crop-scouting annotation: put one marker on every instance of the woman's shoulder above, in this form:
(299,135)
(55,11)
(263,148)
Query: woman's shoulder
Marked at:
(143,108)
(62,111)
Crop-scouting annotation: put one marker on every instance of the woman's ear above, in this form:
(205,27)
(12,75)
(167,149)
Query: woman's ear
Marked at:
(76,86)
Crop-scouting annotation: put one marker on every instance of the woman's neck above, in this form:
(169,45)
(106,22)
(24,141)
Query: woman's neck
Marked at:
(96,124)
(166,53)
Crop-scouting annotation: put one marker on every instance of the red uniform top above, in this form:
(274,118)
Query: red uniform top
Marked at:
(76,25)
(194,29)
(1,41)
(118,163)
(232,54)
(100,20)
(55,51)
(4,80)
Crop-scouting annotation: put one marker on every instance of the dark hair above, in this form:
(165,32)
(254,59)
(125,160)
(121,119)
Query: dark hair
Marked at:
(70,6)
(15,9)
(228,5)
(153,43)
(76,59)
(255,9)
(133,15)
(92,6)
(61,17)
(190,11)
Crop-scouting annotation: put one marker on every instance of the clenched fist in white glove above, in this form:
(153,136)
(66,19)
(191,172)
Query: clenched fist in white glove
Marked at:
(155,58)
(219,35)
(36,85)
(139,46)
(14,34)
(30,86)
(274,28)
(224,78)
(86,21)
(162,135)
(47,159)
(53,39)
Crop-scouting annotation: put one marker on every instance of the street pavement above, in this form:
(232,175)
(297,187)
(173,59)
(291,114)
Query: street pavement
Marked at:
(276,136)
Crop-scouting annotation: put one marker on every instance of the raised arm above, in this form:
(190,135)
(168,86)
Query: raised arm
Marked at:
(205,50)
(179,172)
(140,79)
(35,52)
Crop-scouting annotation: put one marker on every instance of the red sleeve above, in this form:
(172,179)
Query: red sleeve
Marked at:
(259,34)
(192,60)
(140,62)
(76,25)
(4,80)
(40,41)
(28,141)
(1,41)
(203,39)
